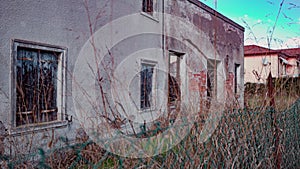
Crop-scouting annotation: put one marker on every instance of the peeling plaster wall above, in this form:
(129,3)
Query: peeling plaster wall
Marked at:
(210,36)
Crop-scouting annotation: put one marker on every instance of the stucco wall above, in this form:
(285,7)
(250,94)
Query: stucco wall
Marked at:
(293,67)
(69,24)
(255,63)
(275,66)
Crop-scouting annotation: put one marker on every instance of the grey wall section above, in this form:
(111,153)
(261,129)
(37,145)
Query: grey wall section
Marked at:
(59,23)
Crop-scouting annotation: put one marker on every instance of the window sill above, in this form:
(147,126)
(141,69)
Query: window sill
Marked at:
(150,16)
(143,111)
(37,127)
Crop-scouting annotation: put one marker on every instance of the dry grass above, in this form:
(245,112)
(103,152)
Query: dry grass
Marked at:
(286,92)
(245,138)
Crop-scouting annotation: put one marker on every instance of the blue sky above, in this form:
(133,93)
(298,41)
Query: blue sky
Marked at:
(258,17)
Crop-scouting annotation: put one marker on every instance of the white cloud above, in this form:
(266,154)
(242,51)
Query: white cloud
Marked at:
(276,43)
(292,42)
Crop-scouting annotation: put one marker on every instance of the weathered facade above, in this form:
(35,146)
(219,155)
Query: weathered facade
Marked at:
(140,59)
(213,46)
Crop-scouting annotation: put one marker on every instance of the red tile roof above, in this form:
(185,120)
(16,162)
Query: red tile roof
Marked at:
(257,50)
(293,52)
(251,50)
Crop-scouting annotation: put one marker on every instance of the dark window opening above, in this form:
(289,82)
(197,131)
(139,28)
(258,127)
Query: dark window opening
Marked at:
(236,76)
(36,86)
(146,85)
(174,79)
(174,90)
(209,86)
(148,6)
(212,78)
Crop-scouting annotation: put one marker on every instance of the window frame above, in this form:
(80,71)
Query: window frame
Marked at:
(178,79)
(154,64)
(237,75)
(151,15)
(61,85)
(213,93)
(145,6)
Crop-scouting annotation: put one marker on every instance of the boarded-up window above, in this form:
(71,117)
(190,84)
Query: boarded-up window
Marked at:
(38,79)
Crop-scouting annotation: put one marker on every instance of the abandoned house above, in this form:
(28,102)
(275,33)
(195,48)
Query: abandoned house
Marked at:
(171,53)
(260,61)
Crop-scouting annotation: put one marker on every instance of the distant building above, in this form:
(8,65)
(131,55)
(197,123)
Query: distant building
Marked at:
(260,61)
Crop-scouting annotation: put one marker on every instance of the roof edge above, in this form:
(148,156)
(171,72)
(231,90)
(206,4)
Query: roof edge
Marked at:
(216,14)
(268,51)
(260,53)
